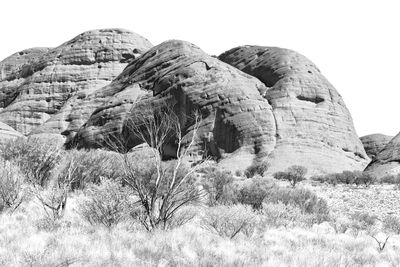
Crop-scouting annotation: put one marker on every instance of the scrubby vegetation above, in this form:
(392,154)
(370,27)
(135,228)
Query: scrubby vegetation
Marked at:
(102,208)
(347,177)
(293,174)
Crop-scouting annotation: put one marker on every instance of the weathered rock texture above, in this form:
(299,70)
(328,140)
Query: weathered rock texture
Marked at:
(265,104)
(387,161)
(374,143)
(237,120)
(36,83)
(7,132)
(313,126)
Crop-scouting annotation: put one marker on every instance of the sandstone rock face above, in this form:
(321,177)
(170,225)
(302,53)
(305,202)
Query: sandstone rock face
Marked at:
(36,83)
(374,143)
(257,103)
(6,132)
(293,116)
(313,126)
(387,161)
(237,120)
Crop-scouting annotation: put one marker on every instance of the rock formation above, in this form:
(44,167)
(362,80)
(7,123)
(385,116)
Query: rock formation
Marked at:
(313,126)
(374,143)
(387,161)
(36,83)
(6,132)
(257,103)
(237,121)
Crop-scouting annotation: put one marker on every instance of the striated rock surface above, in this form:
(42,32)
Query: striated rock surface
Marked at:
(257,103)
(237,121)
(374,143)
(313,126)
(387,161)
(6,132)
(36,83)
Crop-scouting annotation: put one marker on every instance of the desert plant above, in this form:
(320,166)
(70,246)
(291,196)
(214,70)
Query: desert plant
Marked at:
(219,186)
(279,214)
(35,157)
(363,221)
(348,177)
(294,174)
(391,179)
(106,204)
(89,167)
(257,168)
(391,224)
(328,178)
(229,221)
(254,191)
(53,199)
(164,188)
(366,179)
(306,200)
(11,185)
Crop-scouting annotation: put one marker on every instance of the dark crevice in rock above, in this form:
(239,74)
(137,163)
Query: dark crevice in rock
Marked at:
(315,100)
(357,154)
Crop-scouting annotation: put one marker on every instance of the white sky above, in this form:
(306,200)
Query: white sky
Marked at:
(355,43)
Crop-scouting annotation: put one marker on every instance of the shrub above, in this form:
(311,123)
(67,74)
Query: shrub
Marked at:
(183,216)
(363,221)
(229,221)
(328,178)
(341,224)
(84,167)
(257,168)
(304,199)
(107,204)
(279,214)
(11,185)
(254,191)
(346,177)
(35,157)
(390,179)
(391,224)
(366,179)
(219,186)
(53,201)
(293,174)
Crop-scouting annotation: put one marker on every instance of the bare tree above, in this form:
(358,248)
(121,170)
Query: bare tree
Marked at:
(168,187)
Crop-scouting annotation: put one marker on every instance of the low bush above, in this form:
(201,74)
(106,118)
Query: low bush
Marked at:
(253,191)
(107,204)
(219,186)
(346,177)
(279,214)
(304,199)
(35,157)
(391,224)
(53,200)
(229,221)
(84,167)
(363,221)
(11,185)
(365,179)
(257,168)
(391,179)
(293,174)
